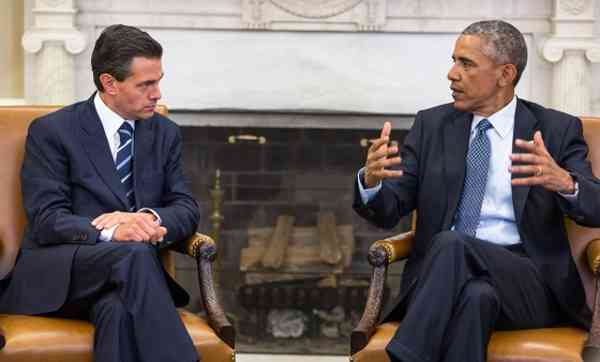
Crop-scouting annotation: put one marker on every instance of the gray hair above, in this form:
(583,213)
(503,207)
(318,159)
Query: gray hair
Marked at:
(503,43)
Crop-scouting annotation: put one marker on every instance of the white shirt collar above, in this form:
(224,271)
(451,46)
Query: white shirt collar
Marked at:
(111,121)
(503,120)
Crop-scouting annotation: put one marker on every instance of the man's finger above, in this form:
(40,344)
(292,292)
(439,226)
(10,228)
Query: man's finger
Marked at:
(389,162)
(538,139)
(99,219)
(141,233)
(526,158)
(384,152)
(527,181)
(391,173)
(528,146)
(376,144)
(386,130)
(528,170)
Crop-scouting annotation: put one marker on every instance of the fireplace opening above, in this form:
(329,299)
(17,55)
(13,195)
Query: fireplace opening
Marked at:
(292,272)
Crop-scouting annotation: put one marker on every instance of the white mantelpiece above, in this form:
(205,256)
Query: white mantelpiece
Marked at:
(382,56)
(53,40)
(572,48)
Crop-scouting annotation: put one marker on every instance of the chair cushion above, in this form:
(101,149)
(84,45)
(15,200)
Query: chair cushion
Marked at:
(533,345)
(63,340)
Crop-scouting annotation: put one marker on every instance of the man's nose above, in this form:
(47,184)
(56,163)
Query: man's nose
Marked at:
(453,74)
(155,94)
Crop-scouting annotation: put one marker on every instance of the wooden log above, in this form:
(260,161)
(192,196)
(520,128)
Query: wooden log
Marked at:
(303,251)
(328,238)
(273,256)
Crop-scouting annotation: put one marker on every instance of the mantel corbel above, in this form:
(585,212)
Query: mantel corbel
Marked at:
(74,41)
(553,48)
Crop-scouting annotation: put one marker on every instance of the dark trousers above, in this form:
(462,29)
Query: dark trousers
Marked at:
(121,288)
(467,289)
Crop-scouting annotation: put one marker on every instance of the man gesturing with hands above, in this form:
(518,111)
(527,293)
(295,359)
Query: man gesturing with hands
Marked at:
(491,177)
(379,159)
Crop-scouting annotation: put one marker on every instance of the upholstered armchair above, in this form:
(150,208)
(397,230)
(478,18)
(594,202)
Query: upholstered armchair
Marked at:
(368,340)
(26,338)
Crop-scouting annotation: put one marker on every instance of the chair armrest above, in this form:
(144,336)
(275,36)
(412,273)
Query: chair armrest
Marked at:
(593,255)
(381,254)
(391,249)
(2,338)
(203,248)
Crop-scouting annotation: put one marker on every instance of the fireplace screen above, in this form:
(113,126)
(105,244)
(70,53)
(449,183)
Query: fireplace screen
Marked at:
(292,272)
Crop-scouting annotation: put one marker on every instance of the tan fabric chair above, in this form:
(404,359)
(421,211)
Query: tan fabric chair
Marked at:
(368,341)
(26,338)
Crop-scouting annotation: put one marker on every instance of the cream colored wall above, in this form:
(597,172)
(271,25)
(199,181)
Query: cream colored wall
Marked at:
(11,52)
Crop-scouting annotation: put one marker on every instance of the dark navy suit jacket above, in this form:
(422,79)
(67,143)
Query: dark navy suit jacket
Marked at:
(433,160)
(69,178)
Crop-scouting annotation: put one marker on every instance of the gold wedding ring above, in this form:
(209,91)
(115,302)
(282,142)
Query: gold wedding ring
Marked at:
(540,171)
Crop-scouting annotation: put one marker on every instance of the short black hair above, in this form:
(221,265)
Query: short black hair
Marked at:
(504,43)
(115,49)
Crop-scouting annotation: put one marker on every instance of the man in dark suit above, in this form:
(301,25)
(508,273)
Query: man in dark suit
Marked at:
(490,177)
(103,190)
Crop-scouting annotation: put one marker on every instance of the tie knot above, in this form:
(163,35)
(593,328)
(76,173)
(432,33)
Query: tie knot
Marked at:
(484,125)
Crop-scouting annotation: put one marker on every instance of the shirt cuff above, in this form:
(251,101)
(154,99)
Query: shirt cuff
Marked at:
(107,234)
(366,194)
(154,213)
(571,197)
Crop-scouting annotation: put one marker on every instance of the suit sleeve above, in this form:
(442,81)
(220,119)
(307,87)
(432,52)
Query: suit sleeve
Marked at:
(46,191)
(398,196)
(585,210)
(179,212)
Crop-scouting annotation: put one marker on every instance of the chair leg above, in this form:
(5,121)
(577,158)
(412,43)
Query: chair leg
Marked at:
(591,350)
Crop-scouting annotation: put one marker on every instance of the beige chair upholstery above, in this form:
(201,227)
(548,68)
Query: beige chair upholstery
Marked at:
(539,345)
(26,338)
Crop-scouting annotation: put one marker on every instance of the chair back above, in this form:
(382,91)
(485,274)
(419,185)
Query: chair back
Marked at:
(580,236)
(14,122)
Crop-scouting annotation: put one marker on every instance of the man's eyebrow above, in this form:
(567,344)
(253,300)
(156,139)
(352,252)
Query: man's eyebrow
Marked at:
(151,81)
(465,60)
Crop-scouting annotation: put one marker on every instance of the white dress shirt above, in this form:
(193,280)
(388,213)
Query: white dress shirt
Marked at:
(497,219)
(111,122)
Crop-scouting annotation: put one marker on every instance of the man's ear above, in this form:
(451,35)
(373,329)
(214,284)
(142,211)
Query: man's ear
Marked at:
(109,83)
(508,74)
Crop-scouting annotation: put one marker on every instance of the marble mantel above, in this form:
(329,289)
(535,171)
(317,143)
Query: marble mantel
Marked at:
(373,56)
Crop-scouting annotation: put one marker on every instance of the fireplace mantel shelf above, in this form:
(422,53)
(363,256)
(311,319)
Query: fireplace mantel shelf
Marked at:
(288,119)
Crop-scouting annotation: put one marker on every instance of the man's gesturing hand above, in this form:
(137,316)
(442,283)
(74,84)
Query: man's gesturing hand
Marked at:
(380,157)
(132,226)
(540,167)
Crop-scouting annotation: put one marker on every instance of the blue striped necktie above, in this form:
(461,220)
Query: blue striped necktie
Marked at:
(124,162)
(478,162)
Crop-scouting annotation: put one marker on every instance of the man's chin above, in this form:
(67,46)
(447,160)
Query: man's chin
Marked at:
(145,114)
(460,105)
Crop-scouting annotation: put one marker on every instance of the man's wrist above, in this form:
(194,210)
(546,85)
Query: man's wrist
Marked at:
(148,210)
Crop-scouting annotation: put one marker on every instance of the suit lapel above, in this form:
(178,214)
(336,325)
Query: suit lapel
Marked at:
(143,141)
(525,126)
(456,143)
(96,146)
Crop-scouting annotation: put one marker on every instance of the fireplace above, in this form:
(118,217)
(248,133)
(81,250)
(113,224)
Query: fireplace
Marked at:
(292,272)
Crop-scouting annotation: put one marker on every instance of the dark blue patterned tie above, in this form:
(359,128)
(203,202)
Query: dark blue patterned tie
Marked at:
(478,162)
(124,162)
